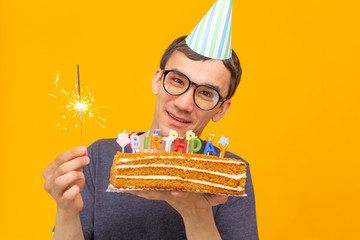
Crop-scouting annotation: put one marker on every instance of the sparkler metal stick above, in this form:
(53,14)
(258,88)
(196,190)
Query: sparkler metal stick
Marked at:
(78,73)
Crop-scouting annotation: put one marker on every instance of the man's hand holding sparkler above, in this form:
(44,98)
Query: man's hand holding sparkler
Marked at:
(64,181)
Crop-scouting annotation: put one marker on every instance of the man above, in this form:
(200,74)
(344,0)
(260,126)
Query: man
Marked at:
(191,90)
(194,215)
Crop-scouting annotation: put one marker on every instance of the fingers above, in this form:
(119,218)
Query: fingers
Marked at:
(71,200)
(220,199)
(71,193)
(65,157)
(68,180)
(179,194)
(75,164)
(54,184)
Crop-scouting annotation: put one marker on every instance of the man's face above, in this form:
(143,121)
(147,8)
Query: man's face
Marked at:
(180,112)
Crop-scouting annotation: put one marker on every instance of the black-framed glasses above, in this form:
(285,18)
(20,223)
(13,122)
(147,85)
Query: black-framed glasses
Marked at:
(205,97)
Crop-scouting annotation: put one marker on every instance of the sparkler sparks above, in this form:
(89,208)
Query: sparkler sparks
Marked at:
(81,106)
(85,105)
(72,106)
(57,80)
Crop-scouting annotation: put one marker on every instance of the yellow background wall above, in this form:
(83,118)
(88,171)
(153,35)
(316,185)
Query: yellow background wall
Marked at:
(295,117)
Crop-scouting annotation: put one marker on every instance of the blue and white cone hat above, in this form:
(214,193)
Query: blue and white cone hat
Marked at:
(212,36)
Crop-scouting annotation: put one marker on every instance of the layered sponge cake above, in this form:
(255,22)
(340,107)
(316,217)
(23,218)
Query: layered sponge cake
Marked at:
(181,171)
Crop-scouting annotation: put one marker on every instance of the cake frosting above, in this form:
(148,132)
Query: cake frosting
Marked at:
(178,171)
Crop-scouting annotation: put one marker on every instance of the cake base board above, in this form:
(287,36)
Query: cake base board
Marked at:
(111,188)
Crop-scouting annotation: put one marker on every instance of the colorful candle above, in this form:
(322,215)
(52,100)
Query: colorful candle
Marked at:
(156,132)
(123,140)
(173,134)
(189,135)
(135,142)
(223,149)
(130,134)
(209,137)
(179,145)
(168,142)
(209,148)
(192,144)
(223,145)
(146,141)
(155,142)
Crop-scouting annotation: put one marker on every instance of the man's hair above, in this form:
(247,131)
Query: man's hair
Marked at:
(232,64)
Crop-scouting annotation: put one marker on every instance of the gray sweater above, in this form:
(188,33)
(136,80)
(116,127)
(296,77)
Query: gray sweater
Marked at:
(108,215)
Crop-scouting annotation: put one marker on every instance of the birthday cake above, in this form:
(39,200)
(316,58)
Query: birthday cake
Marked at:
(176,170)
(185,171)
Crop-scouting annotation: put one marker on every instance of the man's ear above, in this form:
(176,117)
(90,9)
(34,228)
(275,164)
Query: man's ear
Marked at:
(221,111)
(156,81)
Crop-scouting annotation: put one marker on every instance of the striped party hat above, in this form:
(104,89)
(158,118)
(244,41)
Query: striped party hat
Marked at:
(212,36)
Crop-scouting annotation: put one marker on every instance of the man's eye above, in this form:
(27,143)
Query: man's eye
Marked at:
(178,81)
(206,94)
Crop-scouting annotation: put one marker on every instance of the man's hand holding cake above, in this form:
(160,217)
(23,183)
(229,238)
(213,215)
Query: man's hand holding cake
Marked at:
(194,208)
(194,175)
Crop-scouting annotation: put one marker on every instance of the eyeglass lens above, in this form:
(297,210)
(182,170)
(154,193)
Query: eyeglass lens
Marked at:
(205,97)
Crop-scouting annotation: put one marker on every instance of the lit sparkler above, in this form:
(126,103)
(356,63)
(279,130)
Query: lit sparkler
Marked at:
(79,104)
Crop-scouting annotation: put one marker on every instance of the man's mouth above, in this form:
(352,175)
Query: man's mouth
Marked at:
(178,118)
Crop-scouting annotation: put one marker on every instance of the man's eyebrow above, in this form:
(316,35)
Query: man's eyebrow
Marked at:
(179,72)
(213,86)
(217,88)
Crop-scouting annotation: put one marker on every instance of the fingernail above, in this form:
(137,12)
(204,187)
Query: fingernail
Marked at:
(86,159)
(82,149)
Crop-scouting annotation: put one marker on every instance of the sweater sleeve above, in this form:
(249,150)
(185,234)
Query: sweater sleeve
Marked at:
(236,219)
(88,193)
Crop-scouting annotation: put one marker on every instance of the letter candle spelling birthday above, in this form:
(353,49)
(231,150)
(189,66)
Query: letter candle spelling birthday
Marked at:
(223,145)
(189,135)
(168,141)
(209,148)
(191,143)
(155,142)
(179,145)
(146,141)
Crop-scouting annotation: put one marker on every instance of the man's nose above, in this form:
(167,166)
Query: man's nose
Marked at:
(185,102)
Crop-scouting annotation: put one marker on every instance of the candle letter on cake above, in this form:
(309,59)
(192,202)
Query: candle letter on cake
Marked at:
(209,148)
(135,142)
(123,140)
(155,141)
(179,145)
(194,141)
(223,145)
